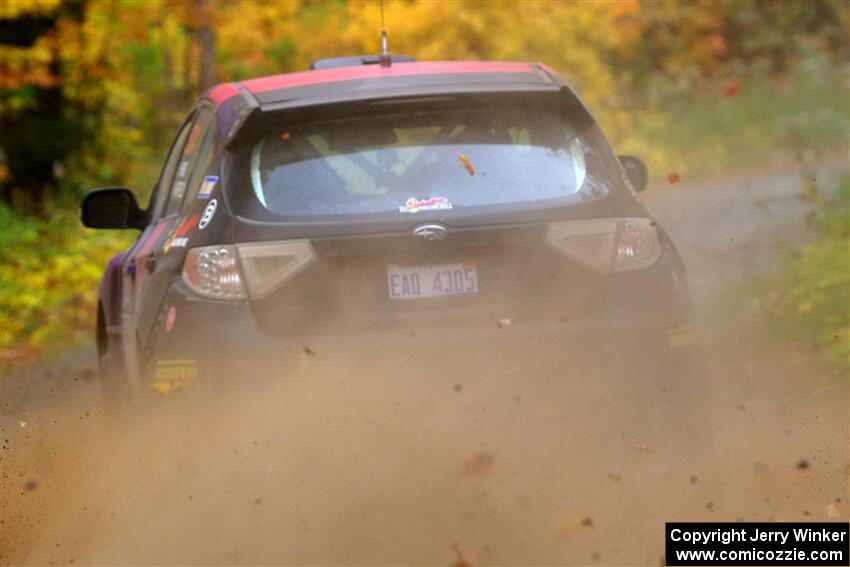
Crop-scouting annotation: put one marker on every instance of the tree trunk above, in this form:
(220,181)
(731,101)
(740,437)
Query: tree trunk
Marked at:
(206,42)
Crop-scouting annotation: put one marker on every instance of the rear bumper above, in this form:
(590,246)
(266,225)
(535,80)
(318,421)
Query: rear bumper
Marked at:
(206,340)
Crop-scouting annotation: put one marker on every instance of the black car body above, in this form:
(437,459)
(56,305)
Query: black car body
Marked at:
(422,207)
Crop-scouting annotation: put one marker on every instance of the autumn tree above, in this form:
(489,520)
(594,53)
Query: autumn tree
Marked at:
(40,126)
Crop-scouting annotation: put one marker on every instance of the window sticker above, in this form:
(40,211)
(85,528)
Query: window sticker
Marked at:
(179,189)
(414,205)
(193,140)
(179,242)
(207,186)
(208,215)
(180,239)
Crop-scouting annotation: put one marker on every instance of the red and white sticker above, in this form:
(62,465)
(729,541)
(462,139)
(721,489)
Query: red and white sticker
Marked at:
(179,238)
(170,318)
(414,205)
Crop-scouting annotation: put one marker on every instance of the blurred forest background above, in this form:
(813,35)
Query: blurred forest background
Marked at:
(92,91)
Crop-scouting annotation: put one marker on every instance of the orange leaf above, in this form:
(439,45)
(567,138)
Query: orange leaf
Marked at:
(732,88)
(466,163)
(461,560)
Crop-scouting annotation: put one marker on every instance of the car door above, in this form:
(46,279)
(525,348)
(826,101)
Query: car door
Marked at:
(147,278)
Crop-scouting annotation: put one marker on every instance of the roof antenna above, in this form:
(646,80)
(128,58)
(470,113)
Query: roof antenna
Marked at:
(384,58)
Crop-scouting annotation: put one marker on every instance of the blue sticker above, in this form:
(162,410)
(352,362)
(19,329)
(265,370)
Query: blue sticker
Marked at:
(207,186)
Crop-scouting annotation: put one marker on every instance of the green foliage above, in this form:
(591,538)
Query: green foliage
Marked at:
(94,97)
(766,119)
(49,274)
(808,300)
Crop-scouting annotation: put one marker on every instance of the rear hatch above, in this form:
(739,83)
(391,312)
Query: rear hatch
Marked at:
(410,213)
(487,276)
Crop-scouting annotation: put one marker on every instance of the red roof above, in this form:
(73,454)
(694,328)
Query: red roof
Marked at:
(304,78)
(220,93)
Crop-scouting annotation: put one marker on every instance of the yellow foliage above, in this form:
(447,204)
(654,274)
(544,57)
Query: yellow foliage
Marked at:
(134,66)
(14,8)
(49,273)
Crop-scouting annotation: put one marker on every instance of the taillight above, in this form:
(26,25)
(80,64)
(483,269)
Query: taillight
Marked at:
(269,265)
(638,246)
(607,245)
(240,271)
(213,271)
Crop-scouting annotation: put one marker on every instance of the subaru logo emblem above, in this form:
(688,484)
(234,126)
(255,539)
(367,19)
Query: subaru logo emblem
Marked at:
(430,232)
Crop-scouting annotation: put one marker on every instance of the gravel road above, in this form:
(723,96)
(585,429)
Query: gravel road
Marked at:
(364,460)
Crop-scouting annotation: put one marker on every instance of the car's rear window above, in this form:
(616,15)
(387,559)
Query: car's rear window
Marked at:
(405,163)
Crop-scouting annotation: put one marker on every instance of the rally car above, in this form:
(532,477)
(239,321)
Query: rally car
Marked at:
(432,203)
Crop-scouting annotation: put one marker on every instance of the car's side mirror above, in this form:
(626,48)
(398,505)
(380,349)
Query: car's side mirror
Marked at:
(636,170)
(112,207)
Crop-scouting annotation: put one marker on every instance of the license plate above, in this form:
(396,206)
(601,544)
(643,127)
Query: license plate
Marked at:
(415,282)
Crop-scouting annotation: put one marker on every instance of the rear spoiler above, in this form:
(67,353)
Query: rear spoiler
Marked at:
(256,117)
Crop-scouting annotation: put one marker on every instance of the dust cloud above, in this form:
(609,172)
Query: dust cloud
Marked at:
(421,452)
